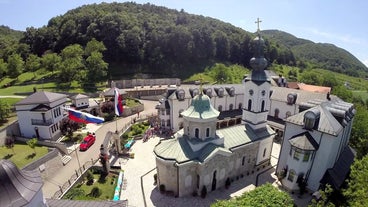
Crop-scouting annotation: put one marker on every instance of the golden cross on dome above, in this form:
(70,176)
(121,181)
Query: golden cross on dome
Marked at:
(257,22)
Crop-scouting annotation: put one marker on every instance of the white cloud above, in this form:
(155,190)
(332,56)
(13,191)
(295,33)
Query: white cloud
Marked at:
(346,38)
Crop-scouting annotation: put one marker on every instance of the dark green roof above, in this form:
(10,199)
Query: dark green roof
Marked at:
(179,149)
(201,108)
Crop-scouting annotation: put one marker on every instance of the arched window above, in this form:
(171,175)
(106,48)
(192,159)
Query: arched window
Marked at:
(264,152)
(207,132)
(220,108)
(231,107)
(196,133)
(249,104)
(240,106)
(263,106)
(291,175)
(277,111)
(181,95)
(243,161)
(181,110)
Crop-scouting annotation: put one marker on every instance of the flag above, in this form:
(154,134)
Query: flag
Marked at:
(82,117)
(118,103)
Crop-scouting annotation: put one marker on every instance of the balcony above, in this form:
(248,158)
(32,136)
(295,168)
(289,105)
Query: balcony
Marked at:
(40,122)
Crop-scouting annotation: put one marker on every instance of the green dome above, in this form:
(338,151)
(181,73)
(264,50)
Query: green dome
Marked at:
(201,108)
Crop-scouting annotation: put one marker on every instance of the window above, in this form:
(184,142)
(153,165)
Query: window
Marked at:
(163,123)
(231,107)
(162,111)
(181,110)
(263,106)
(297,153)
(264,152)
(198,181)
(220,108)
(277,111)
(243,161)
(196,133)
(207,132)
(251,92)
(209,92)
(232,91)
(181,95)
(240,106)
(306,156)
(291,175)
(168,123)
(263,92)
(249,105)
(220,92)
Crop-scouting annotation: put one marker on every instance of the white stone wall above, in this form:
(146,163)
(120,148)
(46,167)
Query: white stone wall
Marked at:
(167,174)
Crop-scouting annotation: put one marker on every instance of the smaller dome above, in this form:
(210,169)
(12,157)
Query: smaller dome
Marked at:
(201,108)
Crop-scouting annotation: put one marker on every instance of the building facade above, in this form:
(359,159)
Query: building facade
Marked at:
(39,115)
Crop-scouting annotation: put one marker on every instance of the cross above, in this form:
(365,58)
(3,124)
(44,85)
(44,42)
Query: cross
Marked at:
(257,22)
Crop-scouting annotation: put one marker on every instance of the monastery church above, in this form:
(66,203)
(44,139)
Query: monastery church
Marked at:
(200,155)
(227,131)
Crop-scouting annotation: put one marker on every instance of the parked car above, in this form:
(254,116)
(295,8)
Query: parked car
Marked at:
(87,142)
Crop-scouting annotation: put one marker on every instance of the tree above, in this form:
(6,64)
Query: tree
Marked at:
(32,144)
(265,195)
(96,69)
(356,192)
(94,46)
(51,61)
(3,68)
(4,110)
(15,65)
(72,63)
(33,63)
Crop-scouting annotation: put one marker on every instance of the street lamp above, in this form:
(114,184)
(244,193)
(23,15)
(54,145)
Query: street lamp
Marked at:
(76,153)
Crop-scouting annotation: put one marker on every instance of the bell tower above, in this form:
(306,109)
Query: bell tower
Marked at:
(257,87)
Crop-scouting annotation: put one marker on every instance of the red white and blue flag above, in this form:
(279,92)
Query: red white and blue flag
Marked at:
(82,117)
(118,103)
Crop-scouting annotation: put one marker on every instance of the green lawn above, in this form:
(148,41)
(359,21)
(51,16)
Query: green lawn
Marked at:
(362,94)
(107,186)
(22,154)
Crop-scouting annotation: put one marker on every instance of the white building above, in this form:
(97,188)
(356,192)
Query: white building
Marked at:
(315,146)
(39,115)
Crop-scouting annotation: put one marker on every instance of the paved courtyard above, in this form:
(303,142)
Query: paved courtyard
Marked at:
(140,189)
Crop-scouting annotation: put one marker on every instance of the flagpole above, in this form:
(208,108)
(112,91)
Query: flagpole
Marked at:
(116,124)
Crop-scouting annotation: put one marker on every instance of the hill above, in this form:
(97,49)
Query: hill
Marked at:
(321,55)
(161,42)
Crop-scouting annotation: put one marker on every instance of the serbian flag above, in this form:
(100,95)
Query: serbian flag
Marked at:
(118,103)
(82,117)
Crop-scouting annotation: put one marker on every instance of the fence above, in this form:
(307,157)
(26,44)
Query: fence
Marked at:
(73,179)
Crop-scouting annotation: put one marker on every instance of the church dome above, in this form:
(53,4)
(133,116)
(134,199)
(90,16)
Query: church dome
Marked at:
(18,187)
(201,108)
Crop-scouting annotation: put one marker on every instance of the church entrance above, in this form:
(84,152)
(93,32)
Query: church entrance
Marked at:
(214,181)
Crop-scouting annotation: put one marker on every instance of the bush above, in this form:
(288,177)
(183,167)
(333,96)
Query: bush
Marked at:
(155,178)
(204,192)
(95,192)
(74,192)
(90,177)
(162,188)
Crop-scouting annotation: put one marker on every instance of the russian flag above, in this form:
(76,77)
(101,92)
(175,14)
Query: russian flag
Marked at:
(118,103)
(82,117)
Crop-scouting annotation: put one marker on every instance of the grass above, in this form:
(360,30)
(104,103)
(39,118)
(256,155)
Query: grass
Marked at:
(106,185)
(22,154)
(131,102)
(362,94)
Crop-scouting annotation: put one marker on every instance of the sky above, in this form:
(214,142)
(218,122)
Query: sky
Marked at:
(339,22)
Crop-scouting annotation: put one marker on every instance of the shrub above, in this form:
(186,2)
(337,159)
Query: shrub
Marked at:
(204,192)
(90,177)
(155,178)
(95,192)
(74,192)
(162,188)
